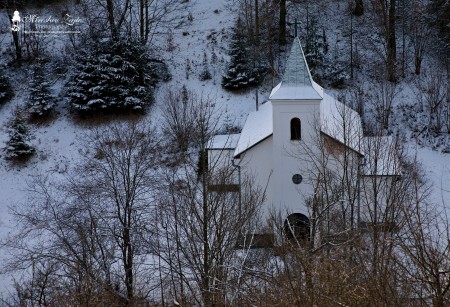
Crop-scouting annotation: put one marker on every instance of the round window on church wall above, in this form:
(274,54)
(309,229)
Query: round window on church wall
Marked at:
(297,179)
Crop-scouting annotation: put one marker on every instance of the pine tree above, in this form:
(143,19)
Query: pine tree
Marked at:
(6,92)
(315,46)
(243,71)
(113,76)
(205,74)
(40,102)
(17,146)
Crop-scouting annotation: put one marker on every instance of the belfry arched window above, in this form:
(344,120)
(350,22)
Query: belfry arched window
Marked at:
(296,129)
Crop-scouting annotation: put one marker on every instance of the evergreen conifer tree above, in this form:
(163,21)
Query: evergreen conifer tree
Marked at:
(40,102)
(315,47)
(6,92)
(114,76)
(17,146)
(205,74)
(322,67)
(243,71)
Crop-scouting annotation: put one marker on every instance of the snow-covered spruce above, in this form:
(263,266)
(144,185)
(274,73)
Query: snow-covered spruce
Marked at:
(242,72)
(40,101)
(205,74)
(17,147)
(6,92)
(114,76)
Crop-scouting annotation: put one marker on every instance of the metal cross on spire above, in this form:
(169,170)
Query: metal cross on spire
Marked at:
(295,27)
(295,23)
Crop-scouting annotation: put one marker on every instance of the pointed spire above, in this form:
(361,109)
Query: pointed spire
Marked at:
(297,83)
(297,70)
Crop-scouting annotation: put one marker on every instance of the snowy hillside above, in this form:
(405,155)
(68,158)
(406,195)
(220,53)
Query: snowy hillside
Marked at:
(57,141)
(205,33)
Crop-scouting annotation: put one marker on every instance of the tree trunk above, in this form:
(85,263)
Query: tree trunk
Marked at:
(256,23)
(391,43)
(15,35)
(417,64)
(359,8)
(128,258)
(282,24)
(147,22)
(205,274)
(111,21)
(141,20)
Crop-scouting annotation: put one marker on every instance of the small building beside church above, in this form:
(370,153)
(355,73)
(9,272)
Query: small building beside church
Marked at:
(308,153)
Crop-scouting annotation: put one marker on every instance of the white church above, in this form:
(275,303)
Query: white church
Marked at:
(303,141)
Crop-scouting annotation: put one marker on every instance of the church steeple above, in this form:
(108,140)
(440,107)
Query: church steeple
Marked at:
(297,70)
(297,82)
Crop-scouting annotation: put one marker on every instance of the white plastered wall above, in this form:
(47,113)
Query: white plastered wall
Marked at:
(290,157)
(256,164)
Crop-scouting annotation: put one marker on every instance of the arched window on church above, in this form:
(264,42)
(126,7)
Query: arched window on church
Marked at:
(296,129)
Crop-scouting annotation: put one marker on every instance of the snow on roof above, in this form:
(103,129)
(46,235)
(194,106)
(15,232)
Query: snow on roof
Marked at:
(341,123)
(223,141)
(337,121)
(282,92)
(381,158)
(297,70)
(259,125)
(297,82)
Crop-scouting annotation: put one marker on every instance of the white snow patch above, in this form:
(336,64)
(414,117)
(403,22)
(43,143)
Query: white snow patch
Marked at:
(224,141)
(259,125)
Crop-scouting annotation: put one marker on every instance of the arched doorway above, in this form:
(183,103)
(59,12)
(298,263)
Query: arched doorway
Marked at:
(297,226)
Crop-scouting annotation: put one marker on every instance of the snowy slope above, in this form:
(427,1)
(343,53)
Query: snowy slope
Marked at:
(437,169)
(58,144)
(206,33)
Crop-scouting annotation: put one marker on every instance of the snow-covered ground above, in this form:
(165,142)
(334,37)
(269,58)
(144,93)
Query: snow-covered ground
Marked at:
(437,169)
(57,143)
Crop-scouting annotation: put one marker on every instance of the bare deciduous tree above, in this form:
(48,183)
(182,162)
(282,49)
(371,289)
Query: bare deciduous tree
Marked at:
(425,246)
(384,97)
(202,215)
(93,228)
(344,262)
(432,92)
(385,14)
(140,18)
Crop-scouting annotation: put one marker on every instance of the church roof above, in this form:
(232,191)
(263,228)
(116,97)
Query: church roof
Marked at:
(297,82)
(341,123)
(223,141)
(258,127)
(337,121)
